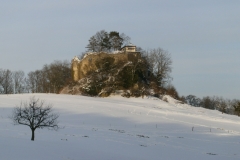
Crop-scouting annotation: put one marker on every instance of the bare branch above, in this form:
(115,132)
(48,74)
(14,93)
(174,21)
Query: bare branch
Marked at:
(35,114)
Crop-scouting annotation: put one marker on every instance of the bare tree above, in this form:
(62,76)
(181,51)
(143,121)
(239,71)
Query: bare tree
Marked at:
(126,39)
(57,75)
(160,63)
(172,91)
(99,42)
(208,102)
(18,77)
(93,44)
(34,81)
(31,82)
(6,81)
(103,41)
(221,104)
(50,79)
(1,80)
(116,41)
(35,114)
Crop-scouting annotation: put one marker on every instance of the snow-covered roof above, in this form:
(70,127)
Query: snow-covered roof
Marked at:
(130,45)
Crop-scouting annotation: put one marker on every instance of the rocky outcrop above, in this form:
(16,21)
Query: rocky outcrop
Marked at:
(81,68)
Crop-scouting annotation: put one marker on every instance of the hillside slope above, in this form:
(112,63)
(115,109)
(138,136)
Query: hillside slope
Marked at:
(121,128)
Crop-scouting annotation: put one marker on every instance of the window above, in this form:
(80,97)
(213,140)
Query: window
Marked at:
(131,48)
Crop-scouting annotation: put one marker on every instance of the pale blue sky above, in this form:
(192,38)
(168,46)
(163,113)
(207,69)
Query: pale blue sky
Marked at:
(203,36)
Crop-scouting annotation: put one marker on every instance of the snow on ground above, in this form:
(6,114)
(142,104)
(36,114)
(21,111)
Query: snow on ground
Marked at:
(121,129)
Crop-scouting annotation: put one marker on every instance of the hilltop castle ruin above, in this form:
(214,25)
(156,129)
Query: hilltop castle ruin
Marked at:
(80,68)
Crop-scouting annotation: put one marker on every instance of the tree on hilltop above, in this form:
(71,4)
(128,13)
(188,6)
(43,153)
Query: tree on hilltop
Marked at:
(103,41)
(160,64)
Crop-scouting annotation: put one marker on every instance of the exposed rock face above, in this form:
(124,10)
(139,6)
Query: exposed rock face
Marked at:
(80,68)
(102,73)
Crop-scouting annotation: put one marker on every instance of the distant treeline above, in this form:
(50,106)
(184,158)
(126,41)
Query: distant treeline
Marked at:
(50,79)
(214,103)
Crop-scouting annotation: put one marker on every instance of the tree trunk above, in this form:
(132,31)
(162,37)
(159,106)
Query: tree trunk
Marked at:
(32,135)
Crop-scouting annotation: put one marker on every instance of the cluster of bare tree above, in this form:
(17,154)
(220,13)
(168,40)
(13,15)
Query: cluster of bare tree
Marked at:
(12,82)
(106,42)
(160,65)
(50,79)
(214,103)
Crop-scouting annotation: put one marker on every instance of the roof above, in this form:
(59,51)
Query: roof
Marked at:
(130,45)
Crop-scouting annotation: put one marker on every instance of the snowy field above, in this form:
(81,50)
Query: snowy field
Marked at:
(117,128)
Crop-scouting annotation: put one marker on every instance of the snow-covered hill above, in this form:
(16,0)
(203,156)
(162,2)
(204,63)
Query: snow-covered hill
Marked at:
(120,128)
